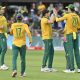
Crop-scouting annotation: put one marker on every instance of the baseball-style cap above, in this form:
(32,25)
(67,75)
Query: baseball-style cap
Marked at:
(70,6)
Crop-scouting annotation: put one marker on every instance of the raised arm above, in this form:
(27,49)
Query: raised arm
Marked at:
(56,15)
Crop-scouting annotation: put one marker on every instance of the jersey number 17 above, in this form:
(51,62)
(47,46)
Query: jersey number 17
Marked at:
(18,32)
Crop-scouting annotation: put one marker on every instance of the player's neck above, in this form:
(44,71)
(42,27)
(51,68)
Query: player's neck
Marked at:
(71,12)
(18,21)
(46,17)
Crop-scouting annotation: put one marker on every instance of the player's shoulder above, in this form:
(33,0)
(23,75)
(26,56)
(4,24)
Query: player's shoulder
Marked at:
(25,24)
(67,14)
(74,14)
(43,19)
(3,17)
(14,23)
(20,24)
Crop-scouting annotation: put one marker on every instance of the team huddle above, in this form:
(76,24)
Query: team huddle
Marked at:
(20,29)
(70,38)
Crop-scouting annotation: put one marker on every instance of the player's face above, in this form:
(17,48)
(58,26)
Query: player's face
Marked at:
(48,14)
(2,11)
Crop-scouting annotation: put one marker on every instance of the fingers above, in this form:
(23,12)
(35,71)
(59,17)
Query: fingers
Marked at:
(55,11)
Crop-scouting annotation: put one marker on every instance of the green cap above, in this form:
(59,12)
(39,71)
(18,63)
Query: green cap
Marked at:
(70,6)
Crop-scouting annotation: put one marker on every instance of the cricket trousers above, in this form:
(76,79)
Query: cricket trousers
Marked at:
(73,50)
(22,51)
(48,53)
(3,47)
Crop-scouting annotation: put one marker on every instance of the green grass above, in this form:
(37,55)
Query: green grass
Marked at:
(33,61)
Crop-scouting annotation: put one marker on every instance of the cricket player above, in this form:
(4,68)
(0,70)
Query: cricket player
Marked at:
(63,33)
(19,31)
(65,44)
(47,37)
(72,25)
(3,40)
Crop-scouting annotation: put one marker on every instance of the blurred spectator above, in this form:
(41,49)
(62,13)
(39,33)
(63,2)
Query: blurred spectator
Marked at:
(60,6)
(10,12)
(77,5)
(33,8)
(41,6)
(24,10)
(50,8)
(36,20)
(25,19)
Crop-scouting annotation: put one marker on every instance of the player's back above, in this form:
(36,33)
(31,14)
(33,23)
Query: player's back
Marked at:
(19,33)
(72,22)
(18,30)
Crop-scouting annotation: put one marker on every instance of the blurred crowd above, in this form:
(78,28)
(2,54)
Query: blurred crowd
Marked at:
(32,14)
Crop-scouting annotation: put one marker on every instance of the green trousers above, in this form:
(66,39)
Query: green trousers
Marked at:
(48,53)
(66,55)
(3,47)
(22,51)
(73,50)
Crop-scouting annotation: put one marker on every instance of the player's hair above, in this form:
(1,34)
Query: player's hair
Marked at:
(44,12)
(19,17)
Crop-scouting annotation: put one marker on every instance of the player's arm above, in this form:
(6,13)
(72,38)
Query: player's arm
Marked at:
(11,30)
(28,33)
(59,19)
(51,20)
(5,24)
(79,23)
(47,21)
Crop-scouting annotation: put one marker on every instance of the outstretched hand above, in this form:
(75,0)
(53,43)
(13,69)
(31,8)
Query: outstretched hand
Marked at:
(55,11)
